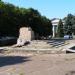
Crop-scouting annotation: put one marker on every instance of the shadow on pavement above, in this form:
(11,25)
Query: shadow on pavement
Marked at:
(70,73)
(12,60)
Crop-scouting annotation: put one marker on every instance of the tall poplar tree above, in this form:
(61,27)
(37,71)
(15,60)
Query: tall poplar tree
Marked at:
(60,31)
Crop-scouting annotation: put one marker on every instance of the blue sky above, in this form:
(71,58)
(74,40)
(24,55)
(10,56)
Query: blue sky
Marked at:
(48,8)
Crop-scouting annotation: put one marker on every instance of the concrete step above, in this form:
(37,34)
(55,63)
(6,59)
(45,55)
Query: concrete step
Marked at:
(33,50)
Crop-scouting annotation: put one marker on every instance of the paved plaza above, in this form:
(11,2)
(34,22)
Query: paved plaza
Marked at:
(47,64)
(22,63)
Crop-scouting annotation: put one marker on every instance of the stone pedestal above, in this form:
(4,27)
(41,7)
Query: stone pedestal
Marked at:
(25,34)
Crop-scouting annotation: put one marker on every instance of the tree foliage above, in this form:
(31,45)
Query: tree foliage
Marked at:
(12,18)
(60,30)
(68,26)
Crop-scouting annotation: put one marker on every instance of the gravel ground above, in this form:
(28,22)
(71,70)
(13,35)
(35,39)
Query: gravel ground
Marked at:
(45,64)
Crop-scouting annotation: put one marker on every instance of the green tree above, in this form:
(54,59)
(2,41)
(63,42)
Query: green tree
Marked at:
(68,30)
(60,31)
(73,27)
(12,18)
